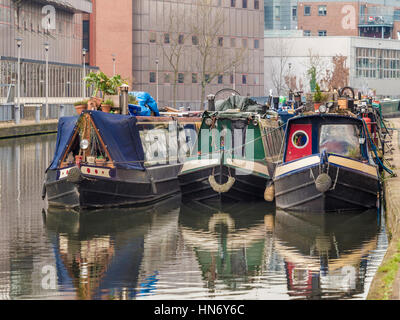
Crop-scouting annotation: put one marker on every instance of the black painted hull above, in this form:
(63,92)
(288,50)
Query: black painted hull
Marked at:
(351,190)
(128,188)
(195,185)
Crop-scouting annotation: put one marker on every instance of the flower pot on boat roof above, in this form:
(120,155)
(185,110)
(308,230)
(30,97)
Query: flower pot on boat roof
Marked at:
(80,106)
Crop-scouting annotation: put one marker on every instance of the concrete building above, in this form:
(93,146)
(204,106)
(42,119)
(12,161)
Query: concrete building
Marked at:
(374,64)
(36,22)
(135,32)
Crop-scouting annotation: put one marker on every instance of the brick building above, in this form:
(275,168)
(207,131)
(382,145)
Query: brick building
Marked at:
(368,18)
(133,33)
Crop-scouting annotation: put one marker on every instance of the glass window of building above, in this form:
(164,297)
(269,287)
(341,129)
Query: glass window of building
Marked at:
(256,4)
(294,13)
(256,43)
(231,78)
(244,4)
(152,77)
(233,3)
(195,40)
(322,10)
(220,79)
(167,78)
(181,78)
(207,78)
(194,77)
(307,33)
(181,39)
(152,37)
(322,33)
(220,41)
(166,37)
(307,10)
(244,78)
(277,12)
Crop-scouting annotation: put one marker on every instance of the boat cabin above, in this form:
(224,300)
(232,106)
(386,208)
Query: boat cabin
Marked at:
(325,133)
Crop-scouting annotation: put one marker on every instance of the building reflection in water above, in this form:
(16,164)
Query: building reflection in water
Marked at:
(173,250)
(24,249)
(100,253)
(325,255)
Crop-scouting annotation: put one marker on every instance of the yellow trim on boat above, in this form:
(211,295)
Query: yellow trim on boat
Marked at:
(282,169)
(248,165)
(194,164)
(353,164)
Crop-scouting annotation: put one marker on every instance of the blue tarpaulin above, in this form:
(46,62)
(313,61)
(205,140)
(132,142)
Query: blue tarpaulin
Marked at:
(122,138)
(146,100)
(135,110)
(119,133)
(66,126)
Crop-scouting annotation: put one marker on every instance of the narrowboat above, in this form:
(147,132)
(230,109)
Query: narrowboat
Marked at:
(235,154)
(329,164)
(111,160)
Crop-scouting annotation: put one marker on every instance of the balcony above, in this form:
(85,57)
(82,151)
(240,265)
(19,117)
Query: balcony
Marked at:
(368,20)
(75,6)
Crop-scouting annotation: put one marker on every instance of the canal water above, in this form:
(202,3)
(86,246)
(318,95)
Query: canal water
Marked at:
(174,250)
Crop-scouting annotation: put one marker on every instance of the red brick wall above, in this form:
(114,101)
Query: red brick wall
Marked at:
(111,33)
(341,19)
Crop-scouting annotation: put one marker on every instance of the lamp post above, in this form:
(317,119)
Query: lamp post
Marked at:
(46,49)
(157,61)
(17,109)
(84,73)
(114,59)
(234,76)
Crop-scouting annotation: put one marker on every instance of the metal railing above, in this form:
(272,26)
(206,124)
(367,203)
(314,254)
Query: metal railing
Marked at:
(34,111)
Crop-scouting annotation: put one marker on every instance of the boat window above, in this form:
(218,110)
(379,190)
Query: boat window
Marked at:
(160,143)
(300,139)
(342,139)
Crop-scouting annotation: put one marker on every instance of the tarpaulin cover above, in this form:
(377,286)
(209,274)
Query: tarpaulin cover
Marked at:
(65,132)
(119,133)
(244,104)
(121,136)
(146,100)
(135,110)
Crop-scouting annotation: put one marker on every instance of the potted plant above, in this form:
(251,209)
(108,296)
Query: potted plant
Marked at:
(100,161)
(104,85)
(80,106)
(318,97)
(107,105)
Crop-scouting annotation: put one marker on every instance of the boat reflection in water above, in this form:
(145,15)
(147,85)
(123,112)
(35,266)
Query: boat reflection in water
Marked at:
(100,254)
(229,243)
(326,256)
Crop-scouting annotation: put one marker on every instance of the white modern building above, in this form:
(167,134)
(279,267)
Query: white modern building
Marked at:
(374,64)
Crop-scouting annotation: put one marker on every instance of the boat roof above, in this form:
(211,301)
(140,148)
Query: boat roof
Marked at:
(325,116)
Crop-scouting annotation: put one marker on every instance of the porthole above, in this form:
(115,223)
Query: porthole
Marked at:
(300,139)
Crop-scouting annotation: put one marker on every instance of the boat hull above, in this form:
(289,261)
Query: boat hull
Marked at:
(128,188)
(350,189)
(195,185)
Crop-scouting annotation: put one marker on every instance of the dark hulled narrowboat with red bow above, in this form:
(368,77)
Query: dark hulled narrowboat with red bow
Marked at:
(328,165)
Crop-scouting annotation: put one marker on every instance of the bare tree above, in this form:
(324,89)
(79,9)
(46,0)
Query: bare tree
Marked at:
(173,50)
(278,64)
(206,25)
(339,76)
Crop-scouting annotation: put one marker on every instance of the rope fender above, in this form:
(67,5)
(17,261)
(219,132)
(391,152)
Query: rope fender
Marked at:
(221,188)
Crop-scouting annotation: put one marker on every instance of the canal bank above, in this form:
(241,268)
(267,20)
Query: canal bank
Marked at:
(386,283)
(27,128)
